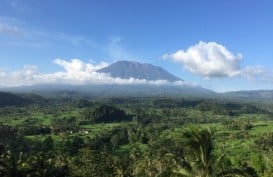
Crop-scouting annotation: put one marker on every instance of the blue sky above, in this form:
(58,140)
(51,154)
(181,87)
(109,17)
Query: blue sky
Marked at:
(219,44)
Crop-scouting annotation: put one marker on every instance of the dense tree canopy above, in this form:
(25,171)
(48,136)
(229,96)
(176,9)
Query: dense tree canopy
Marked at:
(136,138)
(107,113)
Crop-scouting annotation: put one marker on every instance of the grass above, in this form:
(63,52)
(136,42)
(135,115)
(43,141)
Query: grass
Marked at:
(93,130)
(100,125)
(128,147)
(56,138)
(262,127)
(96,129)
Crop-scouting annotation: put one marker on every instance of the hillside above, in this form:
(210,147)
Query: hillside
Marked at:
(8,99)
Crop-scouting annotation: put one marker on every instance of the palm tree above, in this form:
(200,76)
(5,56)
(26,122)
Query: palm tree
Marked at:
(14,165)
(199,144)
(199,160)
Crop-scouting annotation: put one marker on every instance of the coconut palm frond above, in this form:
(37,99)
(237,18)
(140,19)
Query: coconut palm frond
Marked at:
(232,173)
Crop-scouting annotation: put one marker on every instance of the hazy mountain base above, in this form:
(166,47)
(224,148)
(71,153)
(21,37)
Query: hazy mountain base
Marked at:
(113,90)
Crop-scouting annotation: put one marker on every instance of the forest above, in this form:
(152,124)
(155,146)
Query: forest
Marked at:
(131,137)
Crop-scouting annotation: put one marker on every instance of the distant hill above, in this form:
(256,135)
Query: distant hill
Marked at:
(252,94)
(8,99)
(132,69)
(11,99)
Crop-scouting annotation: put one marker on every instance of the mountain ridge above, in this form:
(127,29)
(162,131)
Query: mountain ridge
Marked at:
(251,94)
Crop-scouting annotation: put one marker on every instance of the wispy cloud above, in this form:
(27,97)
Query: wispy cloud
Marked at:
(258,74)
(74,72)
(116,50)
(33,37)
(113,48)
(6,29)
(18,5)
(254,72)
(76,40)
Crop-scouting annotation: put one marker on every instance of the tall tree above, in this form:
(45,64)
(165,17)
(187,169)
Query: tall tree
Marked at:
(199,160)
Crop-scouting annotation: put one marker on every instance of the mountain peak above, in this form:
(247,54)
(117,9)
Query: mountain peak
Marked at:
(132,69)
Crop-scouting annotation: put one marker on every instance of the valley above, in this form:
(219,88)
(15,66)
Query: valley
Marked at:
(136,137)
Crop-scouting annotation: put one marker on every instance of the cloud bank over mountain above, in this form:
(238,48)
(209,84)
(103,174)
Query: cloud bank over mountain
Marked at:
(75,72)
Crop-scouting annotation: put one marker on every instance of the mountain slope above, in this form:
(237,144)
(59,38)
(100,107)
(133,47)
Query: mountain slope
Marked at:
(8,99)
(18,99)
(131,69)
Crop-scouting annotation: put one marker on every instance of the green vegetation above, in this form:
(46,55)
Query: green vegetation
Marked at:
(135,137)
(106,113)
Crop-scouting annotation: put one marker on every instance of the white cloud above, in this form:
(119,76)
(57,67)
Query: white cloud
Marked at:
(213,60)
(208,59)
(76,65)
(74,72)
